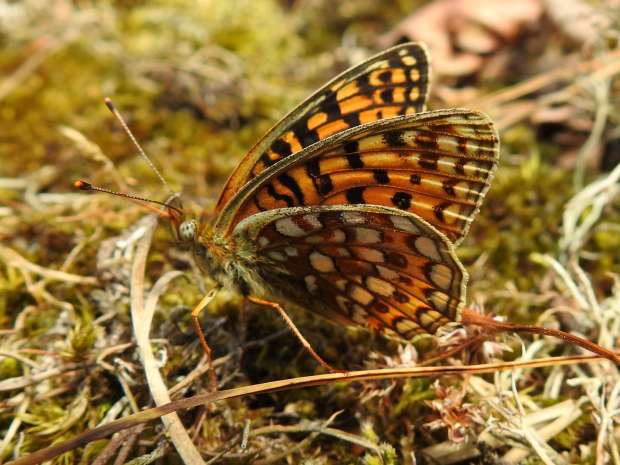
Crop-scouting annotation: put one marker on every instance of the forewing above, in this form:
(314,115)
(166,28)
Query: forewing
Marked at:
(437,165)
(367,265)
(392,83)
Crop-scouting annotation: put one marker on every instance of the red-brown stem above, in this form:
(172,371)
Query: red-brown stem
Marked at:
(469,317)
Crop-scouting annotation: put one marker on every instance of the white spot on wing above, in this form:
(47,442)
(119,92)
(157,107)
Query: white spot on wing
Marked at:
(447,143)
(359,315)
(278,256)
(409,60)
(441,276)
(426,319)
(439,300)
(287,227)
(352,218)
(343,303)
(367,236)
(361,295)
(322,263)
(338,235)
(313,221)
(379,286)
(291,251)
(428,248)
(406,325)
(404,224)
(263,241)
(387,273)
(368,254)
(311,283)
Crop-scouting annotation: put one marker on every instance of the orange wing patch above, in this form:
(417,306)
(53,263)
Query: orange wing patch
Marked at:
(439,170)
(389,84)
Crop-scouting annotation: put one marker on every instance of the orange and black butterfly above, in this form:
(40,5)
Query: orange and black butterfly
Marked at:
(351,206)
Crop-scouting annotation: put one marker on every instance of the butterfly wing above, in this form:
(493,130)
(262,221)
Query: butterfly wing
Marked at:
(357,264)
(437,165)
(394,82)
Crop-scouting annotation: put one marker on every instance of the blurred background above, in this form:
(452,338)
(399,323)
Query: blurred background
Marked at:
(199,82)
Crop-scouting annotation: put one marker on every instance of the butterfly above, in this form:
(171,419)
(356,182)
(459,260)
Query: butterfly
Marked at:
(352,205)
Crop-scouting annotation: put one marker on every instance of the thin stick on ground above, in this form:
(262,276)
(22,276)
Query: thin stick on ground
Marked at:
(144,416)
(470,317)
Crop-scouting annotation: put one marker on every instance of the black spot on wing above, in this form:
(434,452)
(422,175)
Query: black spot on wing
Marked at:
(394,139)
(355,195)
(304,136)
(448,187)
(385,76)
(438,210)
(426,141)
(352,119)
(354,161)
(402,200)
(351,147)
(381,176)
(292,185)
(395,259)
(428,162)
(267,160)
(325,185)
(380,307)
(313,168)
(282,148)
(460,166)
(400,297)
(387,95)
(276,195)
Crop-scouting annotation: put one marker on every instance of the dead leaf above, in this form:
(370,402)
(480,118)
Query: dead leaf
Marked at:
(473,27)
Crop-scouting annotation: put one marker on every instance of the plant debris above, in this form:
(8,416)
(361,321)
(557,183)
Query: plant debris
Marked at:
(199,83)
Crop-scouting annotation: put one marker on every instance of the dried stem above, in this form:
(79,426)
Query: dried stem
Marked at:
(144,416)
(470,317)
(142,316)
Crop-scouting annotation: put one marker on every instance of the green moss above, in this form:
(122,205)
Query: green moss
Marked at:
(199,83)
(9,368)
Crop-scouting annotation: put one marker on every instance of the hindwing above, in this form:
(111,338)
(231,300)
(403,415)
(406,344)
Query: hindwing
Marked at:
(367,265)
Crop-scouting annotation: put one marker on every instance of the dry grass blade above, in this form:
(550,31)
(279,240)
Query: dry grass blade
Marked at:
(142,316)
(603,66)
(21,382)
(287,384)
(12,258)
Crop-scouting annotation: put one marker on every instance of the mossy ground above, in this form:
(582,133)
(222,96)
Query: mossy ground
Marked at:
(199,82)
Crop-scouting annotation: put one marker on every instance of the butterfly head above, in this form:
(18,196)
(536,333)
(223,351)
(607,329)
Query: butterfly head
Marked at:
(184,230)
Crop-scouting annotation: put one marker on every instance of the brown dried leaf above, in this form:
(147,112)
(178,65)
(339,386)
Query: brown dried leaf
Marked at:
(474,27)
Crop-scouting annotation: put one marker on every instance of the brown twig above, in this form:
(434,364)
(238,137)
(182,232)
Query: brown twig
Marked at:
(287,384)
(470,317)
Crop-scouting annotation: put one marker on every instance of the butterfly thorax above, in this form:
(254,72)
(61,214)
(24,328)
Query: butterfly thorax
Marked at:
(222,261)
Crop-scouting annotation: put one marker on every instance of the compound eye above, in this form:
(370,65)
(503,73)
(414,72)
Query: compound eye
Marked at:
(187,230)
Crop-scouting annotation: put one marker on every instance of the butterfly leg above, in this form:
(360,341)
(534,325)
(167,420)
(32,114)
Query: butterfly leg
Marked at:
(206,300)
(277,307)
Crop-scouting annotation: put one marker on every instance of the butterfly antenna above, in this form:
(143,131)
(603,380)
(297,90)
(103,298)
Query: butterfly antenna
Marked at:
(86,186)
(116,113)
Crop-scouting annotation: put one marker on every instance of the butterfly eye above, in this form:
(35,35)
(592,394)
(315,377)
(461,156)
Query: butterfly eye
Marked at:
(187,230)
